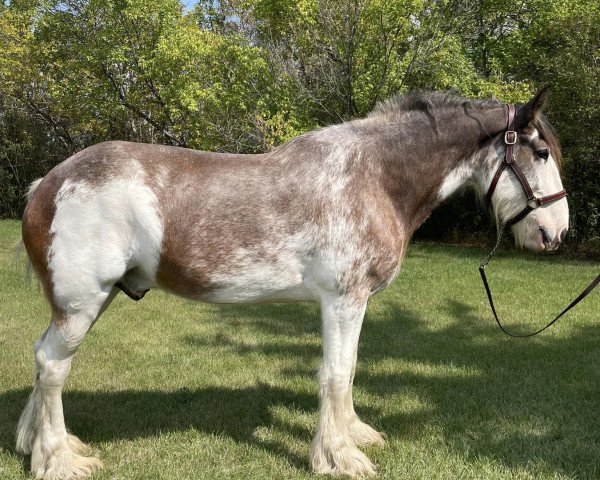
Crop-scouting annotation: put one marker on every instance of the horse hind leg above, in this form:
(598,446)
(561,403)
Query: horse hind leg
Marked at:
(56,454)
(31,416)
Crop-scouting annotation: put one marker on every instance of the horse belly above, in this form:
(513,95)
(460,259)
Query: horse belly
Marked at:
(260,284)
(241,278)
(210,260)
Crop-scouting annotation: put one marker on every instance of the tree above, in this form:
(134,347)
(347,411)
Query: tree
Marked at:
(246,75)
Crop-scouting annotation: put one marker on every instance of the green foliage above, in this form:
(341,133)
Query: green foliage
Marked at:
(26,153)
(246,75)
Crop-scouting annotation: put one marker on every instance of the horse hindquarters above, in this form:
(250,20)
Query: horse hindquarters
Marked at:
(78,268)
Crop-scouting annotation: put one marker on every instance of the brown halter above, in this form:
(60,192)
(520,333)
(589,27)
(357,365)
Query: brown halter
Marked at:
(533,202)
(510,138)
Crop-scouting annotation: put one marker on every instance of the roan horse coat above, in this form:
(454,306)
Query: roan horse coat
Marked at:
(326,217)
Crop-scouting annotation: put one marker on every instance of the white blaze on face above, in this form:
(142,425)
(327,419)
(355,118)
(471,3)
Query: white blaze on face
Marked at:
(509,199)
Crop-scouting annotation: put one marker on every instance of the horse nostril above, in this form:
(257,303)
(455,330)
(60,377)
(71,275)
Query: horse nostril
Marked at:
(547,240)
(563,234)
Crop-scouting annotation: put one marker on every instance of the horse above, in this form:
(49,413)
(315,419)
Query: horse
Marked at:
(326,218)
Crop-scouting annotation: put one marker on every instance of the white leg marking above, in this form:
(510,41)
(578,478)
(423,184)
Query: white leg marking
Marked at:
(360,432)
(55,454)
(333,450)
(30,418)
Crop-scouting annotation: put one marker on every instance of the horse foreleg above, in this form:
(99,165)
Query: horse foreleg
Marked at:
(334,450)
(361,433)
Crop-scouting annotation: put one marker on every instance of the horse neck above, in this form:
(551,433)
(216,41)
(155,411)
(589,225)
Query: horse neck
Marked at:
(423,165)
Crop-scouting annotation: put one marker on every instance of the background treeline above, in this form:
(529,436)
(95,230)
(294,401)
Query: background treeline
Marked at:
(245,75)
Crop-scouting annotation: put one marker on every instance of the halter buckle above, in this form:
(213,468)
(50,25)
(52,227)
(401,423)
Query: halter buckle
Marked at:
(510,137)
(533,203)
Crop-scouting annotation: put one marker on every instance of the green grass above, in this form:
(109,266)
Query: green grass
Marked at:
(167,388)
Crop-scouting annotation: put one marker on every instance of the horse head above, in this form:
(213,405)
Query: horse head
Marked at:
(525,189)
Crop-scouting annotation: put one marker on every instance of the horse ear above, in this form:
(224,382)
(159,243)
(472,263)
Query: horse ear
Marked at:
(529,112)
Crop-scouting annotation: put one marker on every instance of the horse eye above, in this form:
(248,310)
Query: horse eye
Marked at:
(543,154)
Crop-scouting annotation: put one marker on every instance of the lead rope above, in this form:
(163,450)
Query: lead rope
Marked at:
(482,268)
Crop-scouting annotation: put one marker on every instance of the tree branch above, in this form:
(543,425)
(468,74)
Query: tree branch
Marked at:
(140,113)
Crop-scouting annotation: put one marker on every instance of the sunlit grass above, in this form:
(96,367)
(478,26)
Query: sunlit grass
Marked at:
(168,388)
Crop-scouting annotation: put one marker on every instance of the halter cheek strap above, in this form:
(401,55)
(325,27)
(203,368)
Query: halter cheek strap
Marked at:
(533,202)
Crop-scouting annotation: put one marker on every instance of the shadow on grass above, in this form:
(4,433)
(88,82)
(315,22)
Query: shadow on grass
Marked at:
(511,401)
(129,414)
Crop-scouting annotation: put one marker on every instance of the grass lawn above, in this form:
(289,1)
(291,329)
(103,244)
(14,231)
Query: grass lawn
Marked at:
(168,388)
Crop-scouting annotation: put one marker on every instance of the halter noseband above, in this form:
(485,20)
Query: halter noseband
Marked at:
(533,202)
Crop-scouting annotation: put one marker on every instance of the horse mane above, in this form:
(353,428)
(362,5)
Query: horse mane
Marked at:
(429,102)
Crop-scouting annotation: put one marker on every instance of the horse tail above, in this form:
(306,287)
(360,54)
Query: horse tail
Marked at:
(19,248)
(32,188)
